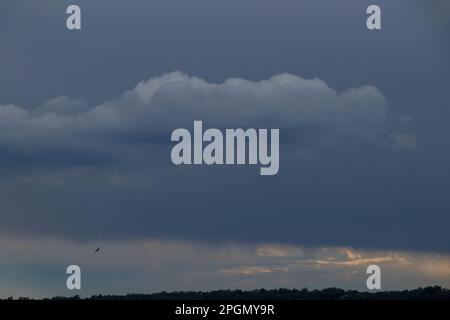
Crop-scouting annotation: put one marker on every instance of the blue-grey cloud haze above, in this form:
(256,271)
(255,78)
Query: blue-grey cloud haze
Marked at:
(86,116)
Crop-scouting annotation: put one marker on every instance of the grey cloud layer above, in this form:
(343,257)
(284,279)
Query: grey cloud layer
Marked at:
(303,109)
(66,165)
(352,172)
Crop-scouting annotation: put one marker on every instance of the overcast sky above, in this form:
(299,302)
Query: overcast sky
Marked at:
(86,117)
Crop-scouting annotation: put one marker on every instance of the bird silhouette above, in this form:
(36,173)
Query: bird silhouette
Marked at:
(97,250)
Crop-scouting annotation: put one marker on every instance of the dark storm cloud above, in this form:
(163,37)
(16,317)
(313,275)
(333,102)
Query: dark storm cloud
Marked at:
(440,9)
(329,142)
(64,132)
(354,171)
(153,109)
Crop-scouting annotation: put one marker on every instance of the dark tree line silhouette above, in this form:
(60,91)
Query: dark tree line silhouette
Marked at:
(428,293)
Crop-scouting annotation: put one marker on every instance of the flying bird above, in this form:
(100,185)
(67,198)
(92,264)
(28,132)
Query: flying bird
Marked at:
(97,250)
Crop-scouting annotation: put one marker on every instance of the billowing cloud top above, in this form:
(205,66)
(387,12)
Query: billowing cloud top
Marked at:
(303,109)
